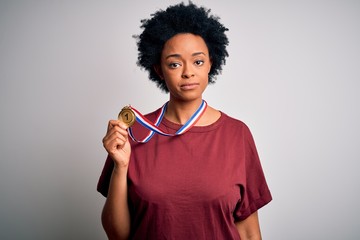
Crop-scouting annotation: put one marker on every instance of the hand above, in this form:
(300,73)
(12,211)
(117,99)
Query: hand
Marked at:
(116,143)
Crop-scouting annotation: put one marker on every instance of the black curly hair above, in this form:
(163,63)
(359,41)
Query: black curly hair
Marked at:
(181,18)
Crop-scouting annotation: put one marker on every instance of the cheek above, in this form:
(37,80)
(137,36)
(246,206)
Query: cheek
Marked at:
(171,75)
(209,67)
(207,71)
(170,78)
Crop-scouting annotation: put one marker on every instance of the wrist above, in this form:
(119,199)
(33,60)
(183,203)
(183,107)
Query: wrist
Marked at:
(120,168)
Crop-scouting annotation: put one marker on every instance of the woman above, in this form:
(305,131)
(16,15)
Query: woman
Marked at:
(206,183)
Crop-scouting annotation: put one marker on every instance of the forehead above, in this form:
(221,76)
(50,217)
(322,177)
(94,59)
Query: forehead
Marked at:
(185,43)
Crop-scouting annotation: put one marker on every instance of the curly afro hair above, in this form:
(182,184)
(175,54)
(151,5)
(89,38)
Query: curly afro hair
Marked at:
(180,18)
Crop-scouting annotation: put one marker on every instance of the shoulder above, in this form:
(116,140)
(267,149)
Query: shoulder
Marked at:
(236,127)
(152,115)
(234,122)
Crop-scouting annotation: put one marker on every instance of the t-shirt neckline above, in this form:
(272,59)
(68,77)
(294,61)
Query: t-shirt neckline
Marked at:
(175,126)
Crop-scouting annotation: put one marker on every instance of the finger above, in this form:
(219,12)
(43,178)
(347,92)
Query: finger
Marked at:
(111,124)
(114,146)
(120,123)
(115,142)
(116,132)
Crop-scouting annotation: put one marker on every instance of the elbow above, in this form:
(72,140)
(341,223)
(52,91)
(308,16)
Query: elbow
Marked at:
(113,230)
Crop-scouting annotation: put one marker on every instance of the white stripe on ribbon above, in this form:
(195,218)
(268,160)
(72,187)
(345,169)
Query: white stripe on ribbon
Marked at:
(153,127)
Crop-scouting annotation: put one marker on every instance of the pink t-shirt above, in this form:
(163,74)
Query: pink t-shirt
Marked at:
(192,186)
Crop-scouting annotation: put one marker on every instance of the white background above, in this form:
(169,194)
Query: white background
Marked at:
(67,67)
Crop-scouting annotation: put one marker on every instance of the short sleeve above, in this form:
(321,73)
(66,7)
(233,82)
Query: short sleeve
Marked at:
(254,192)
(104,180)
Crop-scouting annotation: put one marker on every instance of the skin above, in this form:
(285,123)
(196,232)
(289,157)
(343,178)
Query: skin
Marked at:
(184,66)
(115,215)
(249,228)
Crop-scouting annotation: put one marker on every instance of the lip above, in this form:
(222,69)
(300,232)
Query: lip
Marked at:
(189,86)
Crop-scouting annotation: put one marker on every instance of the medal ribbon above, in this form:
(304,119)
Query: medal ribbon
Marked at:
(153,127)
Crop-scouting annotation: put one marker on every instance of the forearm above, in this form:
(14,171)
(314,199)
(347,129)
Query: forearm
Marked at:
(253,237)
(115,216)
(249,228)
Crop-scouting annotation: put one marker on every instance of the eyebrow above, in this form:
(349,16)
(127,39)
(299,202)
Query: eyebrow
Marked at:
(176,55)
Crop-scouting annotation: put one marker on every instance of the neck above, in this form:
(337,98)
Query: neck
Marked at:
(180,112)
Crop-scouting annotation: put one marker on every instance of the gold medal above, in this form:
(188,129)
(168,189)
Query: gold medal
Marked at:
(127,116)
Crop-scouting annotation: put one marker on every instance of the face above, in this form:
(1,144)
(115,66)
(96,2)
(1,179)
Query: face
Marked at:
(185,65)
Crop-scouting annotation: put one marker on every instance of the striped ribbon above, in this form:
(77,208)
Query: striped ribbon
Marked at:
(153,127)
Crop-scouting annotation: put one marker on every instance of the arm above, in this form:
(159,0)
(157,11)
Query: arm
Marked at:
(115,215)
(249,228)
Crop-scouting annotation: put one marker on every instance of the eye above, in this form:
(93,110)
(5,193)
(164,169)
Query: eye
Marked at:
(199,62)
(174,65)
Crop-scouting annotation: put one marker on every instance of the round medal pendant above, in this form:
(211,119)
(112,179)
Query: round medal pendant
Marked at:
(127,116)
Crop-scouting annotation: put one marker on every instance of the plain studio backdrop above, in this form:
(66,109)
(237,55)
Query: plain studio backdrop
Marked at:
(67,67)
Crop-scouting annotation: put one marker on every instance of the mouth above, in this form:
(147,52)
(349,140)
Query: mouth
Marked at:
(189,86)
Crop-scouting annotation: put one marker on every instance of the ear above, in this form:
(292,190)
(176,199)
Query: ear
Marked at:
(159,72)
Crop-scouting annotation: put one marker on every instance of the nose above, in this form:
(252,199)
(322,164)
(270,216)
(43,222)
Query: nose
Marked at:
(187,72)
